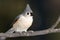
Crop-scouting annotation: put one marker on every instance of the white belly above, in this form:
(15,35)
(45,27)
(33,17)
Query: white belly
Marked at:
(23,24)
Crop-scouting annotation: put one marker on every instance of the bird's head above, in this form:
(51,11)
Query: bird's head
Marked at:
(27,11)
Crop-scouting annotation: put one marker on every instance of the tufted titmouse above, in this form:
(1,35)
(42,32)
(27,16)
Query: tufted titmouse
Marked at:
(22,21)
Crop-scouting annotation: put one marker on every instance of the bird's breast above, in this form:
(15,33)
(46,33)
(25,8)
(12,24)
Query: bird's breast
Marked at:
(26,21)
(23,23)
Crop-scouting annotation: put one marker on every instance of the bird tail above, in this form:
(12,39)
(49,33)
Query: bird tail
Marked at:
(9,31)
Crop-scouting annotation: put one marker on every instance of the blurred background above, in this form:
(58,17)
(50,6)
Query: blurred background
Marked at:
(45,14)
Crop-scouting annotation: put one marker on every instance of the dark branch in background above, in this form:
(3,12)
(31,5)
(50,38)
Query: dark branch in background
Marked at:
(57,22)
(35,33)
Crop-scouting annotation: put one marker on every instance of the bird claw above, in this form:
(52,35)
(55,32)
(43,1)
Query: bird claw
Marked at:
(31,31)
(24,31)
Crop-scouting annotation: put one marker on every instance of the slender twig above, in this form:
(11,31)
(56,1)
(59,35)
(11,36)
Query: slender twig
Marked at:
(57,22)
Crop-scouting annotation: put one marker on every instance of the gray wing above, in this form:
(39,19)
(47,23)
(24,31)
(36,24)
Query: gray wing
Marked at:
(11,30)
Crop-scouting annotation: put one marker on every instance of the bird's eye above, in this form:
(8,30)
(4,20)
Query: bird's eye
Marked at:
(27,13)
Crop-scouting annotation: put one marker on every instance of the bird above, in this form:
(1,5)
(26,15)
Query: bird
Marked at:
(23,21)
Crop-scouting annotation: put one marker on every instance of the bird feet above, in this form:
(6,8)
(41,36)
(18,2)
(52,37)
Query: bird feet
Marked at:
(31,31)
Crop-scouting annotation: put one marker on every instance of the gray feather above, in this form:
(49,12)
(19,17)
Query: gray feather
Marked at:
(10,30)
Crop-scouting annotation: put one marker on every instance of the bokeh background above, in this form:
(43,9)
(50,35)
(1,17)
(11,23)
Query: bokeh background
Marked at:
(45,14)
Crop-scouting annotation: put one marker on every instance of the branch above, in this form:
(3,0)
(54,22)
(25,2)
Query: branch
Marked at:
(43,32)
(30,33)
(55,25)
